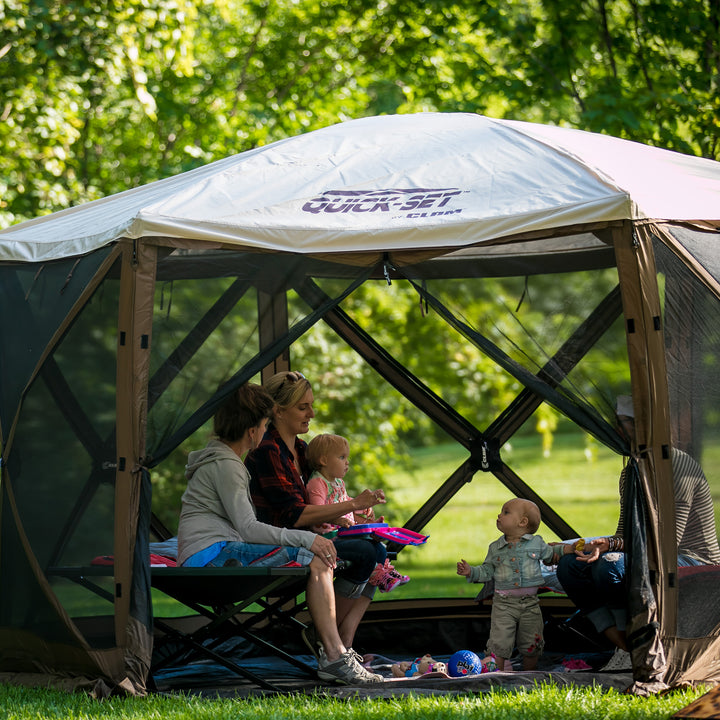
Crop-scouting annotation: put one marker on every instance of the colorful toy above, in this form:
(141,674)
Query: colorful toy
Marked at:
(401,536)
(381,531)
(489,663)
(420,666)
(466,662)
(361,529)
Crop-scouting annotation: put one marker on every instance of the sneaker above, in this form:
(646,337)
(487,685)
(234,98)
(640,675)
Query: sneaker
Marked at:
(346,669)
(357,656)
(310,638)
(619,662)
(386,578)
(388,583)
(377,574)
(383,580)
(402,579)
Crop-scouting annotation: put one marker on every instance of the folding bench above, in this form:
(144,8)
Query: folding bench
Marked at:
(221,595)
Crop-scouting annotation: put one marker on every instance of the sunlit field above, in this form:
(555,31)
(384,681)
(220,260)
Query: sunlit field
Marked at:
(580,483)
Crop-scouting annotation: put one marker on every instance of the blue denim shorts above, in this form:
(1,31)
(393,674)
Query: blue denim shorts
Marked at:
(256,555)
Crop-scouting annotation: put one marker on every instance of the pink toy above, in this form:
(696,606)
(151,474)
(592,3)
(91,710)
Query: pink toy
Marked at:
(381,531)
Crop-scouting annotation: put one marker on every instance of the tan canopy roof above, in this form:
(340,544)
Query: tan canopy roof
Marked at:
(424,181)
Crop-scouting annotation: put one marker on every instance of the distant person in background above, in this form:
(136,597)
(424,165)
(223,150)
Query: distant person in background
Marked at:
(594,579)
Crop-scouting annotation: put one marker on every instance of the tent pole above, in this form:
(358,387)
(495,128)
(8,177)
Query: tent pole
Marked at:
(458,427)
(648,373)
(272,324)
(135,320)
(194,340)
(566,358)
(440,412)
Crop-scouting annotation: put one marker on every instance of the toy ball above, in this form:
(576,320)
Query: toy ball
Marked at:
(464,662)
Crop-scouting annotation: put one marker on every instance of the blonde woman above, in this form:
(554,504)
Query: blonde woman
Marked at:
(279,471)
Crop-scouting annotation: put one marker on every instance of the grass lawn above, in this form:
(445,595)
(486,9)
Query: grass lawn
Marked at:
(544,702)
(581,484)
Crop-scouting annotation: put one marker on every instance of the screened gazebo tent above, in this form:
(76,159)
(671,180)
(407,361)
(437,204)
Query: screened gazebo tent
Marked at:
(113,313)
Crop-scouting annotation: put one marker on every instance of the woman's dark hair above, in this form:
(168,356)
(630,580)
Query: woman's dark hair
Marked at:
(244,409)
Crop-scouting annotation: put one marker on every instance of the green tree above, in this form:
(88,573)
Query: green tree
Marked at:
(638,69)
(100,95)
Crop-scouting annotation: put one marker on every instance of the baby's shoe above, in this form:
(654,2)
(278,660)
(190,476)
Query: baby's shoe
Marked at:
(386,578)
(402,579)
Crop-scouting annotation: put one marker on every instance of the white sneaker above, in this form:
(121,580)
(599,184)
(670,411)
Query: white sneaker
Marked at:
(346,669)
(619,662)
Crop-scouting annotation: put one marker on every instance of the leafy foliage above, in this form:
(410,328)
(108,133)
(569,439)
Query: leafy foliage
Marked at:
(100,96)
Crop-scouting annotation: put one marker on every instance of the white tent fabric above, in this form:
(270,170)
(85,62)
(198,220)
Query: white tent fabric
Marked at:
(424,181)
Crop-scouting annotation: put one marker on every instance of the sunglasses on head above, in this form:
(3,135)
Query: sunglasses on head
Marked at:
(293,376)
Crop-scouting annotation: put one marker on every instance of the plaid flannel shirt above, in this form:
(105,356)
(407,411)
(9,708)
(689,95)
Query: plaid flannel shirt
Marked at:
(278,490)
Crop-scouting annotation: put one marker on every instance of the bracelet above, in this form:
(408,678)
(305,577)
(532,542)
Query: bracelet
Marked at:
(615,544)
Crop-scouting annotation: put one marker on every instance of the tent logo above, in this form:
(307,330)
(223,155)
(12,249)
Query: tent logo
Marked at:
(411,202)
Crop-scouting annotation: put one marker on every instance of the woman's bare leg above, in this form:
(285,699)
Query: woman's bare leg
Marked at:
(320,597)
(350,612)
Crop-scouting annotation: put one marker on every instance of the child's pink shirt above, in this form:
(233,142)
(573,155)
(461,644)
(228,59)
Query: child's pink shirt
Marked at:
(321,491)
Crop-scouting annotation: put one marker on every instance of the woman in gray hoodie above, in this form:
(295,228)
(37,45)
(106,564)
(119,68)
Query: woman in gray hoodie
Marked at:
(218,525)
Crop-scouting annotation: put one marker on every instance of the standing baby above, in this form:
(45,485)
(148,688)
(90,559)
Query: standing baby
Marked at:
(513,561)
